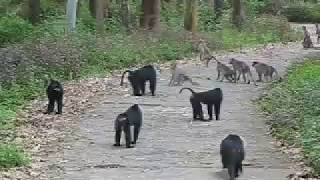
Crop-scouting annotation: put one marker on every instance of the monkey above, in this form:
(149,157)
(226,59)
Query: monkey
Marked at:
(55,95)
(265,70)
(232,154)
(226,72)
(307,42)
(205,54)
(240,67)
(318,33)
(210,98)
(131,117)
(179,76)
(138,79)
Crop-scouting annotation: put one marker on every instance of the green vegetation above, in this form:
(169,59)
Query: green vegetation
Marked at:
(10,156)
(303,13)
(45,49)
(294,109)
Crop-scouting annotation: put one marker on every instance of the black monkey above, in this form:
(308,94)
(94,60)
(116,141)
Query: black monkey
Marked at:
(132,117)
(139,77)
(55,95)
(232,154)
(210,98)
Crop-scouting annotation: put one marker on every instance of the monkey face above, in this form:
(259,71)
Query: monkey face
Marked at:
(254,63)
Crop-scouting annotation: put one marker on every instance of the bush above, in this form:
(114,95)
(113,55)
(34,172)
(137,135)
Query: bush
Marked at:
(13,29)
(294,109)
(303,13)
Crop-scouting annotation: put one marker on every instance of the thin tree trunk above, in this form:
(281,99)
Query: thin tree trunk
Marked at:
(71,14)
(150,18)
(92,8)
(34,11)
(276,5)
(218,8)
(100,14)
(238,16)
(125,15)
(190,17)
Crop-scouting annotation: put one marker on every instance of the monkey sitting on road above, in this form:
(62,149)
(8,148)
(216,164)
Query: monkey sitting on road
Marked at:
(55,95)
(139,77)
(232,154)
(318,33)
(179,76)
(224,71)
(239,68)
(307,42)
(210,98)
(265,70)
(132,117)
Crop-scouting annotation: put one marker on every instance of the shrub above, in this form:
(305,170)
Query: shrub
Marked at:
(13,29)
(303,13)
(11,156)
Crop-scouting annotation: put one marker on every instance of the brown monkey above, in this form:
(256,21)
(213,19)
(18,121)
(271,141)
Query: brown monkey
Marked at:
(265,70)
(239,68)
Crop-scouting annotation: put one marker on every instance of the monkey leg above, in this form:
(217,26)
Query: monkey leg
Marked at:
(218,77)
(209,106)
(60,104)
(260,77)
(128,135)
(244,77)
(117,137)
(50,105)
(142,87)
(153,84)
(217,107)
(135,134)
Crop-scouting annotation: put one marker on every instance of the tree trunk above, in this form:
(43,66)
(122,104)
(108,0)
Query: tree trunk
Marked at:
(218,8)
(100,14)
(150,18)
(190,17)
(71,14)
(238,16)
(125,15)
(276,5)
(34,11)
(93,7)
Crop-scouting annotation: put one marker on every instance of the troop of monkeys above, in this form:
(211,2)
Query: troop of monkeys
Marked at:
(231,148)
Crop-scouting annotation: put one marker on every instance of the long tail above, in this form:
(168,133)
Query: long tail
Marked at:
(192,91)
(127,71)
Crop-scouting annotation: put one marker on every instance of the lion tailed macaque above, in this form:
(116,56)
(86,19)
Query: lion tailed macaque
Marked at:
(239,68)
(212,98)
(139,77)
(232,154)
(266,70)
(55,95)
(179,76)
(132,117)
(307,42)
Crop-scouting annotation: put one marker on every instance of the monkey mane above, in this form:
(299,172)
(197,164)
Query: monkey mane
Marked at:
(127,71)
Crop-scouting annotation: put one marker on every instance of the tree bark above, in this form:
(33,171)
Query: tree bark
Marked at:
(150,18)
(218,8)
(125,15)
(276,5)
(34,11)
(100,14)
(238,16)
(190,17)
(93,7)
(72,14)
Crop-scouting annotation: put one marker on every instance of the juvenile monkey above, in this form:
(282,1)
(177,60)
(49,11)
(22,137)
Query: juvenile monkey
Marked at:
(307,42)
(224,71)
(179,76)
(265,70)
(239,68)
(205,55)
(55,95)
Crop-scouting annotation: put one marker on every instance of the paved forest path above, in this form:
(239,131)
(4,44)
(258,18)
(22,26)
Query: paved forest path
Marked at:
(168,147)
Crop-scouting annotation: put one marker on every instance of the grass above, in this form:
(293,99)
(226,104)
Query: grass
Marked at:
(294,107)
(11,156)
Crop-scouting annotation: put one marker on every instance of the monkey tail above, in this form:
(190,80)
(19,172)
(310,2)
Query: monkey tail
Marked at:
(127,71)
(192,91)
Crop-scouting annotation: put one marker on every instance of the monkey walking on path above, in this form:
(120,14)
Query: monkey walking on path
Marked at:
(307,42)
(239,68)
(212,98)
(265,70)
(55,95)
